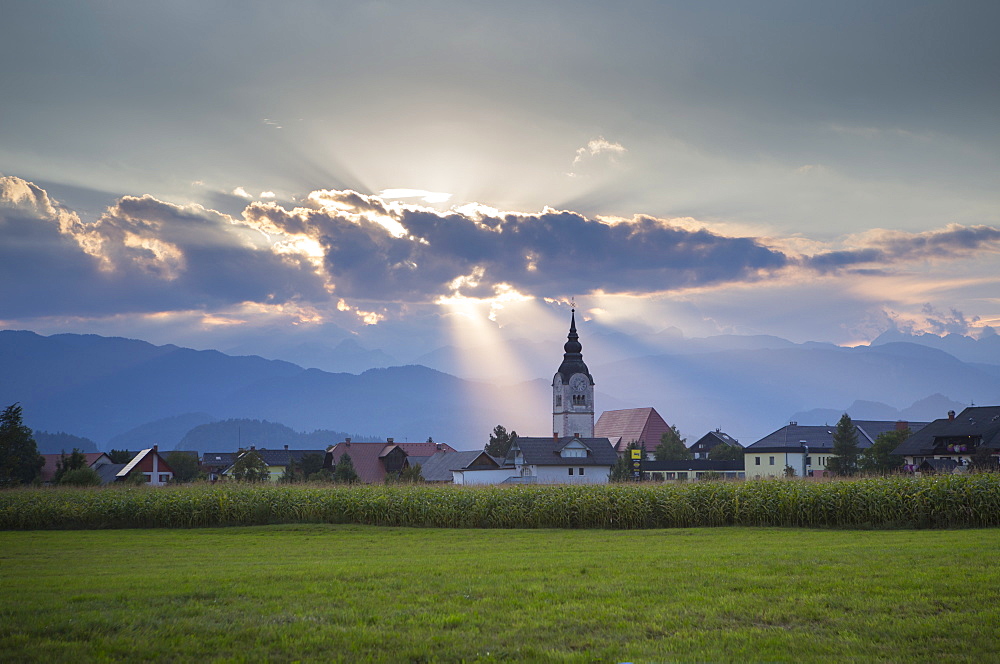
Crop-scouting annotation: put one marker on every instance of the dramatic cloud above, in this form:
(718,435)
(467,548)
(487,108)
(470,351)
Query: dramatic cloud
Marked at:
(379,250)
(887,247)
(365,258)
(142,255)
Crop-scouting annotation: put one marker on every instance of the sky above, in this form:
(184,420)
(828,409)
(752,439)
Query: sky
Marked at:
(409,175)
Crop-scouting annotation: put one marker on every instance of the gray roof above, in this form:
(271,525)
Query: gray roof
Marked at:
(820,438)
(284,457)
(795,436)
(975,422)
(938,465)
(222,459)
(714,439)
(438,467)
(545,452)
(873,428)
(108,472)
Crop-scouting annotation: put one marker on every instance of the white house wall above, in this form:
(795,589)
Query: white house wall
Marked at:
(766,469)
(560,474)
(482,477)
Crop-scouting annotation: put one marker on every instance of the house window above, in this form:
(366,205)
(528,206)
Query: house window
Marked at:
(581,471)
(164,478)
(570,471)
(770,461)
(756,461)
(809,461)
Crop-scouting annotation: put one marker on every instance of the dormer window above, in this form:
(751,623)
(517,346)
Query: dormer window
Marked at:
(574,450)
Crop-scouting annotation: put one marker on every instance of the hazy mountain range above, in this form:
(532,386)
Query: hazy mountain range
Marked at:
(125,393)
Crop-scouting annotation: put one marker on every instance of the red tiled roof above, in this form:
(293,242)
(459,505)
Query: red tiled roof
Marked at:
(623,426)
(51,461)
(425,449)
(365,457)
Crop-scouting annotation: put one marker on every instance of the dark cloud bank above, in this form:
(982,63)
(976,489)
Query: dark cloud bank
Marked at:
(145,255)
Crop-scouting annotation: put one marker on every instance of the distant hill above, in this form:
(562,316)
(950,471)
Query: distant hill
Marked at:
(933,407)
(102,388)
(57,443)
(135,393)
(348,356)
(231,434)
(165,433)
(985,349)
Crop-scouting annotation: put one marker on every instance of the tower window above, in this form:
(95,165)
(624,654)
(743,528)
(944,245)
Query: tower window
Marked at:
(558,399)
(579,400)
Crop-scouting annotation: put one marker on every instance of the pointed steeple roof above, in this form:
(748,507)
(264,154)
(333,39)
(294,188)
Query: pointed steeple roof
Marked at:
(573,358)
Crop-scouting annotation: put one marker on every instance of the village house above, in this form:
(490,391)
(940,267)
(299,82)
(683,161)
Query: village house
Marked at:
(150,464)
(95,460)
(374,461)
(710,441)
(472,467)
(562,460)
(948,443)
(807,450)
(277,461)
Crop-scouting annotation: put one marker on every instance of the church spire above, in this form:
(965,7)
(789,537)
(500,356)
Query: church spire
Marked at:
(573,390)
(573,358)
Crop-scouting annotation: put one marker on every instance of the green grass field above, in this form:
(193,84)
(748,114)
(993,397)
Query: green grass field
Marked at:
(335,592)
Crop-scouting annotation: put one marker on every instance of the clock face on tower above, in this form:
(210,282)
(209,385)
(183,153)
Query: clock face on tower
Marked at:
(578,383)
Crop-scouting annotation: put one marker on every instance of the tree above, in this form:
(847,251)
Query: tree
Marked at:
(290,475)
(322,475)
(672,447)
(85,476)
(724,452)
(410,474)
(120,456)
(879,459)
(621,471)
(500,442)
(310,464)
(845,448)
(75,461)
(184,465)
(343,472)
(250,467)
(20,462)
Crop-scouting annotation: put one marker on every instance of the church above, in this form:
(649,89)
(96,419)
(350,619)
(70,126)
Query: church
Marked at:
(571,455)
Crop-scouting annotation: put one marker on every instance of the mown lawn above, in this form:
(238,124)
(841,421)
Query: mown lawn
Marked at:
(329,593)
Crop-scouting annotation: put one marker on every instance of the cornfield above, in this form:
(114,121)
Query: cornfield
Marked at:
(955,501)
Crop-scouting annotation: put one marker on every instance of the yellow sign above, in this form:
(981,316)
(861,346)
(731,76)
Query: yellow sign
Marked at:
(637,454)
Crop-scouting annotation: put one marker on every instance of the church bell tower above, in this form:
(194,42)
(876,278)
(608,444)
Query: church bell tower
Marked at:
(573,390)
